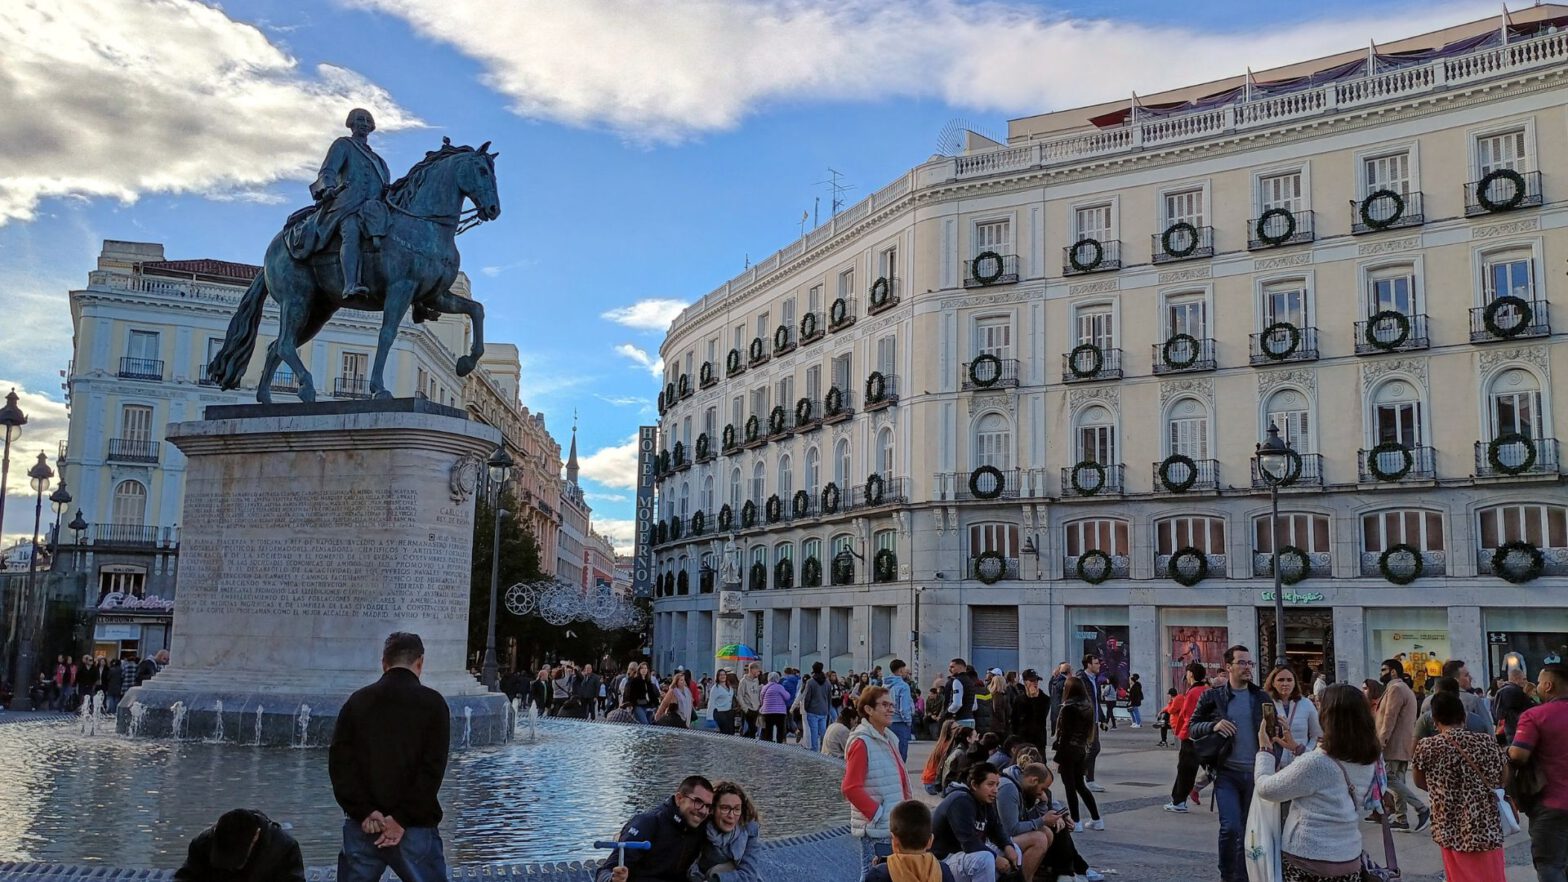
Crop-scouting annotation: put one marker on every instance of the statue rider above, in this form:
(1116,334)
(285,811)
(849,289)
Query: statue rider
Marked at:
(349,189)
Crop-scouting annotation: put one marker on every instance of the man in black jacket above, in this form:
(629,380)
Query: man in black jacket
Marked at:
(1090,675)
(244,846)
(674,831)
(1224,732)
(1031,711)
(970,836)
(960,693)
(388,757)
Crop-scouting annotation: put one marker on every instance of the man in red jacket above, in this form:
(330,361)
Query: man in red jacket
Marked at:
(1187,760)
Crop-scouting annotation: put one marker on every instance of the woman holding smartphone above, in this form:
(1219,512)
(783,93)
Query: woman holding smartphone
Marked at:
(1294,712)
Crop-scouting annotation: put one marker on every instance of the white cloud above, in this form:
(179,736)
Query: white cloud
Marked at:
(666,71)
(655,366)
(621,533)
(646,315)
(612,466)
(123,97)
(607,497)
(47,422)
(624,400)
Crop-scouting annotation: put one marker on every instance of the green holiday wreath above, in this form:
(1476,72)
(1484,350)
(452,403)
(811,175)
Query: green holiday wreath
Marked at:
(843,570)
(1279,353)
(1494,453)
(1407,461)
(705,373)
(884,565)
(811,573)
(1291,573)
(1096,360)
(1075,477)
(1188,566)
(781,339)
(699,522)
(982,490)
(881,290)
(1483,190)
(808,326)
(1506,559)
(1093,566)
(753,428)
(838,314)
(726,517)
(1407,574)
(777,420)
(990,567)
(1390,342)
(800,506)
(803,411)
(732,363)
(748,515)
(727,438)
(875,489)
(990,375)
(1521,308)
(1169,236)
(1284,235)
(986,278)
(704,446)
(830,499)
(1191,346)
(759,576)
(876,388)
(784,574)
(758,349)
(833,403)
(1183,484)
(1393,217)
(1075,255)
(774,509)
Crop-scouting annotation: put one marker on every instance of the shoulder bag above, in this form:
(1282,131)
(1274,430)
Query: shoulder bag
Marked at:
(1370,871)
(1505,811)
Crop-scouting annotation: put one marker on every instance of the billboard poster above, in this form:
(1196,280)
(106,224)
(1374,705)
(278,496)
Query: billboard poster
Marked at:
(642,556)
(1109,642)
(1204,644)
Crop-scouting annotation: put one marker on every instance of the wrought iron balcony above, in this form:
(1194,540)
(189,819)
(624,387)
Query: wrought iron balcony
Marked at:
(350,387)
(1385,210)
(991,569)
(883,295)
(1393,463)
(816,323)
(1512,316)
(1184,354)
(1091,256)
(842,313)
(141,368)
(990,268)
(1515,455)
(1120,567)
(134,450)
(881,391)
(784,340)
(1502,191)
(882,489)
(1180,474)
(1554,561)
(1219,565)
(836,409)
(1279,227)
(1319,565)
(1182,241)
(1091,480)
(1433,563)
(1311,474)
(1088,363)
(130,535)
(1283,342)
(1391,331)
(990,372)
(981,484)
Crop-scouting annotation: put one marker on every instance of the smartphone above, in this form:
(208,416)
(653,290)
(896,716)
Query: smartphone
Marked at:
(1271,718)
(882,850)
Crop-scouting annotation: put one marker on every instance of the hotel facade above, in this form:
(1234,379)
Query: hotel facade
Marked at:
(1006,407)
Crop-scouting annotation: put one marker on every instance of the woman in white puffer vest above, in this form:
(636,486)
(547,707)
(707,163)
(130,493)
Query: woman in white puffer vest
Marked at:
(874,776)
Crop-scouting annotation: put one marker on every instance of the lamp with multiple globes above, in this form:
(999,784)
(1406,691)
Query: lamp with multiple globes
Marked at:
(1275,458)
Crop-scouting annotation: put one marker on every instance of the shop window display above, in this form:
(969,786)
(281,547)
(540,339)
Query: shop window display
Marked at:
(1528,638)
(1418,638)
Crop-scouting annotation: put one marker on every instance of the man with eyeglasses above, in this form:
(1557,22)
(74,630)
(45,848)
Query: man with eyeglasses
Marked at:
(674,833)
(1224,731)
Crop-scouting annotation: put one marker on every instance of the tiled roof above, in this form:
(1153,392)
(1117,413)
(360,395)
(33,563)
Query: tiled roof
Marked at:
(218,269)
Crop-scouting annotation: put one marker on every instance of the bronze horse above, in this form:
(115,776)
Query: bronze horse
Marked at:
(415,268)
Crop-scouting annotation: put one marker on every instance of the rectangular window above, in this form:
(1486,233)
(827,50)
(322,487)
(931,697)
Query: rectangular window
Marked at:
(887,352)
(214,345)
(1096,325)
(1422,530)
(1186,315)
(737,412)
(787,314)
(993,444)
(740,338)
(1502,150)
(1097,443)
(1205,534)
(889,262)
(710,422)
(1544,526)
(846,284)
(1189,437)
(811,548)
(814,299)
(994,336)
(763,329)
(785,392)
(996,235)
(355,365)
(1099,534)
(1308,532)
(1392,290)
(1400,423)
(886,540)
(1280,191)
(1516,412)
(1285,302)
(1509,275)
(1293,428)
(1185,206)
(142,345)
(814,382)
(841,371)
(1093,222)
(1000,538)
(136,423)
(759,404)
(713,351)
(1391,172)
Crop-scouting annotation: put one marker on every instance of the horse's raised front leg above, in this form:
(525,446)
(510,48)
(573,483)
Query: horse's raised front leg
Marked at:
(399,297)
(448,302)
(291,318)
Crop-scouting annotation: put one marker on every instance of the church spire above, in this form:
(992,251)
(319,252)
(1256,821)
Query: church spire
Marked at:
(571,459)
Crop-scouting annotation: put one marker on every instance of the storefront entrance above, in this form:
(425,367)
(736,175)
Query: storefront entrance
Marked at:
(1525,638)
(1309,642)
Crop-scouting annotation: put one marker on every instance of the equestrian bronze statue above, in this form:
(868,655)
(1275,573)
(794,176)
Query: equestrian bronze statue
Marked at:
(366,244)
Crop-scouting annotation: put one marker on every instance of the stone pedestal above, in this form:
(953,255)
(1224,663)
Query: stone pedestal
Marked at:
(311,532)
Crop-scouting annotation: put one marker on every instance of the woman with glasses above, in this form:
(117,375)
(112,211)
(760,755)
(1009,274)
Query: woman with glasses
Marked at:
(730,853)
(874,778)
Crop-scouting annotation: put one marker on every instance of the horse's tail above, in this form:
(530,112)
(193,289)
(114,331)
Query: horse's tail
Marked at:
(229,365)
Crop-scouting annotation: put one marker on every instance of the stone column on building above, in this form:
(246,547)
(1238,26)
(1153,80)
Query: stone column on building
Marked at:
(1143,633)
(1350,646)
(1467,639)
(1241,623)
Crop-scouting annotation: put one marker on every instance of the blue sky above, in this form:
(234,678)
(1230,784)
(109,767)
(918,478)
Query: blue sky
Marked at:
(647,149)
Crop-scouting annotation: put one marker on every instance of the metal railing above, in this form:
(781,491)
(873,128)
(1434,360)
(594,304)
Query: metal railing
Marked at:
(1396,464)
(1114,482)
(1503,195)
(1390,334)
(1284,347)
(1082,366)
(846,407)
(1554,561)
(1433,563)
(351,387)
(888,396)
(1512,321)
(878,301)
(1319,565)
(141,368)
(1219,565)
(134,450)
(1091,256)
(1386,210)
(1120,568)
(851,307)
(1516,455)
(894,491)
(130,535)
(990,372)
(1311,474)
(1184,245)
(956,485)
(990,271)
(1278,228)
(820,331)
(1180,355)
(1203,474)
(1006,569)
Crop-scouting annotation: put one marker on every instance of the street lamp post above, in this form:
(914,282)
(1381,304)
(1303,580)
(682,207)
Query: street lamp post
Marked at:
(499,464)
(59,500)
(12,418)
(39,475)
(1275,458)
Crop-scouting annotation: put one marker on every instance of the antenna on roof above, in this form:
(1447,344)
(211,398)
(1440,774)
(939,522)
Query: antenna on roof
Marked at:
(837,187)
(951,140)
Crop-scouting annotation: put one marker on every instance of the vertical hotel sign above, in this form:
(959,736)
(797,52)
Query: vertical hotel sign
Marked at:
(642,559)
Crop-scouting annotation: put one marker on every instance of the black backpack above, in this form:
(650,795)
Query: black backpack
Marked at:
(1213,748)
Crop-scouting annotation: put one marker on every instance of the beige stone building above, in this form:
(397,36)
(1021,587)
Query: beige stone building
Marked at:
(1005,408)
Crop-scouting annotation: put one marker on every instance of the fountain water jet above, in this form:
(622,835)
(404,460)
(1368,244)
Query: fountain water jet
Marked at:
(302,725)
(256,741)
(217,730)
(177,720)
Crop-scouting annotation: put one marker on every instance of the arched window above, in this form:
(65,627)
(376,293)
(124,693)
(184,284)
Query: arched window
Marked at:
(1417,528)
(813,469)
(1109,536)
(707,495)
(885,541)
(841,463)
(1308,532)
(786,478)
(685,498)
(1206,534)
(993,442)
(842,560)
(1187,429)
(735,487)
(757,573)
(1513,404)
(991,539)
(1289,410)
(1396,414)
(130,503)
(683,575)
(759,483)
(885,453)
(1544,526)
(1096,436)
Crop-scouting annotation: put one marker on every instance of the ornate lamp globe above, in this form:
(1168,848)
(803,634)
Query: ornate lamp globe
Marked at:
(1274,457)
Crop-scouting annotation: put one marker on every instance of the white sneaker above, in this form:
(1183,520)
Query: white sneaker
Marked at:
(1094,875)
(1097,824)
(1175,807)
(1078,827)
(1095,787)
(1137,725)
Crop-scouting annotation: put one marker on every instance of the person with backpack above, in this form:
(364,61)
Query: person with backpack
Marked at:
(1182,709)
(961,692)
(1224,731)
(1108,703)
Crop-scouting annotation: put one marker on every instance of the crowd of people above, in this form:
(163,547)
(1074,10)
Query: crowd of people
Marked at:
(95,681)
